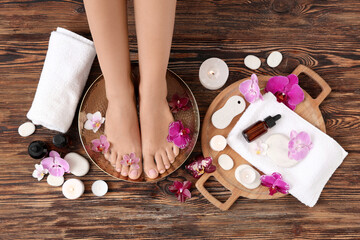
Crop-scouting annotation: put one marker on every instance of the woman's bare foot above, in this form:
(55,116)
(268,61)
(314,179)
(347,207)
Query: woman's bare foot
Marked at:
(155,117)
(122,131)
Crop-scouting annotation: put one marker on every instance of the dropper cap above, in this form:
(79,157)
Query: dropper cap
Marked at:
(271,121)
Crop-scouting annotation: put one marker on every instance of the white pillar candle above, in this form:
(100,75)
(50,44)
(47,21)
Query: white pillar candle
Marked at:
(247,176)
(218,143)
(213,73)
(99,188)
(73,188)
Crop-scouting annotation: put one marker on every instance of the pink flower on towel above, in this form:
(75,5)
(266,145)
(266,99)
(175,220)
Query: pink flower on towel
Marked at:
(299,145)
(55,164)
(131,159)
(94,121)
(275,183)
(200,166)
(250,89)
(181,190)
(286,90)
(100,145)
(178,134)
(179,103)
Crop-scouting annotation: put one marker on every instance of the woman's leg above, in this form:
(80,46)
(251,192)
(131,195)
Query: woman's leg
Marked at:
(154,28)
(109,29)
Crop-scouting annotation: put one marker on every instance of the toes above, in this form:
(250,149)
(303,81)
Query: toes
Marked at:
(170,155)
(118,163)
(159,163)
(150,167)
(124,170)
(176,150)
(165,159)
(113,158)
(107,155)
(135,172)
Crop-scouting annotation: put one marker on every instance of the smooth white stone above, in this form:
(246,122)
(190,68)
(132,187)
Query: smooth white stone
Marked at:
(26,129)
(233,107)
(79,166)
(274,59)
(247,176)
(213,73)
(73,188)
(252,62)
(55,181)
(225,162)
(278,150)
(218,143)
(99,188)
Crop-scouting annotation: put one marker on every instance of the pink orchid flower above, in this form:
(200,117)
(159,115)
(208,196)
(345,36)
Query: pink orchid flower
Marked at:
(94,121)
(275,183)
(39,172)
(178,134)
(100,145)
(55,164)
(286,90)
(179,103)
(200,166)
(131,159)
(250,89)
(299,145)
(181,190)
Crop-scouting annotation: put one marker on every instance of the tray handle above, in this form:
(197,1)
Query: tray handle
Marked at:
(319,80)
(223,206)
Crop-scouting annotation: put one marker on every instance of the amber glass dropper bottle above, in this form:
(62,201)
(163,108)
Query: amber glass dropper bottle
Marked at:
(259,128)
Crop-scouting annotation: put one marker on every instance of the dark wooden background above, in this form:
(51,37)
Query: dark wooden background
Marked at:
(322,34)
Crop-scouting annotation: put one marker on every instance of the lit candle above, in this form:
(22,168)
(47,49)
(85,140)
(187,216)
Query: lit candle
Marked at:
(73,188)
(218,143)
(213,73)
(247,176)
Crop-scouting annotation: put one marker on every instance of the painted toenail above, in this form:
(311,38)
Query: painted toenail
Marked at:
(152,173)
(167,166)
(133,173)
(162,171)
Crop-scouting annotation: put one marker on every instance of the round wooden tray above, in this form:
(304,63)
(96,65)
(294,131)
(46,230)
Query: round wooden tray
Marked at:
(95,100)
(308,109)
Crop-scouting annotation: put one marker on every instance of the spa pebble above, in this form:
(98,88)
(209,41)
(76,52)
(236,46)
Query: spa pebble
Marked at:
(79,166)
(218,143)
(226,162)
(274,59)
(278,150)
(99,188)
(247,176)
(252,62)
(26,129)
(73,188)
(54,181)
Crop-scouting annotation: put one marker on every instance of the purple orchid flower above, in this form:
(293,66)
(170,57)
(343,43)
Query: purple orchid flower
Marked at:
(181,190)
(299,145)
(250,89)
(200,166)
(275,183)
(55,164)
(286,90)
(131,159)
(179,103)
(100,145)
(178,134)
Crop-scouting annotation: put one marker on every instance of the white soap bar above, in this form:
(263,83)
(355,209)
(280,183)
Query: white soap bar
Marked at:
(213,73)
(99,188)
(252,62)
(274,59)
(226,162)
(55,181)
(26,129)
(233,107)
(247,176)
(278,150)
(79,166)
(73,188)
(218,143)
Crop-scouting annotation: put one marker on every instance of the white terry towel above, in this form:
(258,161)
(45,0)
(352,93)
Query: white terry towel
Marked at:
(63,77)
(309,176)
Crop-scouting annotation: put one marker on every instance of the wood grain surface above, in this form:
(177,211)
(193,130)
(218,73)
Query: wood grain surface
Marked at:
(321,34)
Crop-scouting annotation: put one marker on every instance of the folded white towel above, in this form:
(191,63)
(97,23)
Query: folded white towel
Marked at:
(63,77)
(308,177)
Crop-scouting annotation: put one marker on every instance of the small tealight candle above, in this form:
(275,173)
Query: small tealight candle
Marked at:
(73,188)
(218,143)
(99,188)
(247,176)
(213,73)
